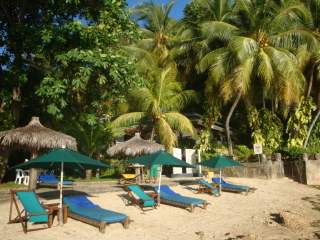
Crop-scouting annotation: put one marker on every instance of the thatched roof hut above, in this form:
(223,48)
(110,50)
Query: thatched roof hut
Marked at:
(34,137)
(134,146)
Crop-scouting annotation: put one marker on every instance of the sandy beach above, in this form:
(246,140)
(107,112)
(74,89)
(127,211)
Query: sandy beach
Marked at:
(231,216)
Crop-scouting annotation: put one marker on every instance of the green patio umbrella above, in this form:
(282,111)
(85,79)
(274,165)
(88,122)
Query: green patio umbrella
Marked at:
(59,158)
(220,162)
(160,158)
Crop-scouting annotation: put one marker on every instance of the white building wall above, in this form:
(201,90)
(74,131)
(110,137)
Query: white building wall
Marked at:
(178,154)
(191,158)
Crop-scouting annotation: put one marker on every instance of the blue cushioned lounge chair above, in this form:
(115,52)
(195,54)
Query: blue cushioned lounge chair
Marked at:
(225,186)
(139,197)
(205,187)
(49,179)
(33,211)
(170,197)
(82,209)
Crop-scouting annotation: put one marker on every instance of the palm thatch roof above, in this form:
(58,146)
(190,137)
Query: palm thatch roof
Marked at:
(35,136)
(134,146)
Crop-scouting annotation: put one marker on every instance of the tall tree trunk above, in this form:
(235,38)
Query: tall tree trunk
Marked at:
(227,126)
(310,81)
(152,135)
(263,100)
(16,104)
(311,127)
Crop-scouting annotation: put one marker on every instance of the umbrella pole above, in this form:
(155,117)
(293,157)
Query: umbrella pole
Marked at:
(160,173)
(220,182)
(60,203)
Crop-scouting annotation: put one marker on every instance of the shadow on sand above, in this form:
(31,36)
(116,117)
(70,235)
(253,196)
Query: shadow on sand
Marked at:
(54,194)
(315,202)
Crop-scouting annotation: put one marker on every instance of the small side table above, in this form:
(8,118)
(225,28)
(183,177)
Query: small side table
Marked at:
(153,195)
(54,208)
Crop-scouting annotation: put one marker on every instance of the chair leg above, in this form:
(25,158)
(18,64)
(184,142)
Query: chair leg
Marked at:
(24,223)
(102,227)
(192,208)
(126,223)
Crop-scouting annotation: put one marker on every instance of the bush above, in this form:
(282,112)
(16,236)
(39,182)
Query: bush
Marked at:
(292,153)
(243,152)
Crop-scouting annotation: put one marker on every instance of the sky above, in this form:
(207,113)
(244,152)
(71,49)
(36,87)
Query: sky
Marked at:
(176,12)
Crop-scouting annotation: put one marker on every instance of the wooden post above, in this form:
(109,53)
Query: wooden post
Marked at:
(33,174)
(137,172)
(88,174)
(280,164)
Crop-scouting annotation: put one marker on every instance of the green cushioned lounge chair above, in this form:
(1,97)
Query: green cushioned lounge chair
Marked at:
(206,187)
(33,211)
(139,197)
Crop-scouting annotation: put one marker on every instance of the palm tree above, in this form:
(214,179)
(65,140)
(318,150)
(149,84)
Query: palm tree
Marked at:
(158,106)
(159,29)
(257,53)
(205,21)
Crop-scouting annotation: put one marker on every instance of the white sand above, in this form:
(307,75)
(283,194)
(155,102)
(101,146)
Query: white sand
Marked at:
(227,216)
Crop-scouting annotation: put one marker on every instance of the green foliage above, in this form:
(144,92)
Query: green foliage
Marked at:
(315,136)
(292,152)
(93,134)
(157,107)
(243,152)
(199,11)
(67,52)
(267,129)
(78,64)
(204,141)
(298,123)
(92,72)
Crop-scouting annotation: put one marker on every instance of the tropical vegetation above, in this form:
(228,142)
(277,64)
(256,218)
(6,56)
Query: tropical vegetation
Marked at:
(95,69)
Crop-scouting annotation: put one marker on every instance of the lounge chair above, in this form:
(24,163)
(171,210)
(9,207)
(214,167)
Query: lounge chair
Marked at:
(51,180)
(137,196)
(82,209)
(229,187)
(168,196)
(33,211)
(128,178)
(205,187)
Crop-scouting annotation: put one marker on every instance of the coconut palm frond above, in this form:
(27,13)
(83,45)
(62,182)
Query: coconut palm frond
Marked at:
(303,56)
(180,100)
(179,122)
(265,69)
(292,39)
(295,15)
(242,75)
(128,119)
(145,33)
(244,47)
(212,58)
(166,134)
(226,90)
(140,53)
(140,98)
(218,30)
